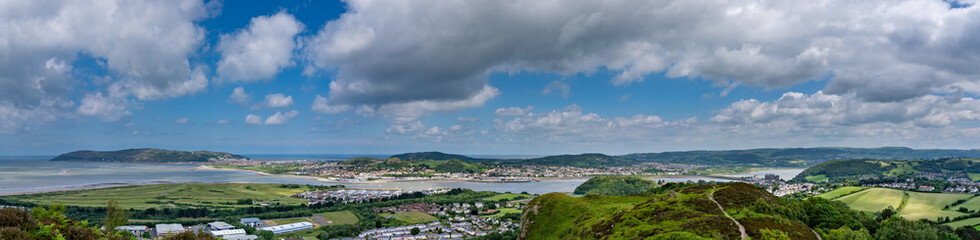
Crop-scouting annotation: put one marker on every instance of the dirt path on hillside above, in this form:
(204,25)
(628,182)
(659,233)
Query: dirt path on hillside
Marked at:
(741,229)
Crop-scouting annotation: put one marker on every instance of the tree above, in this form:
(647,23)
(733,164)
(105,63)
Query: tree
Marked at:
(266,235)
(845,233)
(773,235)
(114,216)
(415,231)
(377,224)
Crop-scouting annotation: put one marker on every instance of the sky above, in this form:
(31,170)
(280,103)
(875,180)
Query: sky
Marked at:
(490,77)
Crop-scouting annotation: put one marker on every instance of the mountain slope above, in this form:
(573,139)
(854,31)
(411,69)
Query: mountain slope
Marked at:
(682,213)
(145,155)
(796,157)
(581,160)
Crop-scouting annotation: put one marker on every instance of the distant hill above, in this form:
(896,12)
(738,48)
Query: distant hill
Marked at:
(843,170)
(675,211)
(144,155)
(796,157)
(433,156)
(615,185)
(581,160)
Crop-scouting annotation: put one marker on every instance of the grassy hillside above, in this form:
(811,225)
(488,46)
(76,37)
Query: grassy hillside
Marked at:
(447,165)
(797,157)
(615,185)
(913,205)
(843,170)
(223,195)
(684,213)
(144,155)
(433,156)
(581,160)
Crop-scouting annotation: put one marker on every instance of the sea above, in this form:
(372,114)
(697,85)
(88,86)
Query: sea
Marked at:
(31,174)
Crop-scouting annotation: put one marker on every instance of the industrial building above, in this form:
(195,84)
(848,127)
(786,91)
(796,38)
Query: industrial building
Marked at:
(164,230)
(228,233)
(218,226)
(135,230)
(288,228)
(251,222)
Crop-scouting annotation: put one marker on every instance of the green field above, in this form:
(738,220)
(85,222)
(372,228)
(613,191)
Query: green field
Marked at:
(974,176)
(507,196)
(337,218)
(930,205)
(873,200)
(221,195)
(836,193)
(817,178)
(964,222)
(505,211)
(412,217)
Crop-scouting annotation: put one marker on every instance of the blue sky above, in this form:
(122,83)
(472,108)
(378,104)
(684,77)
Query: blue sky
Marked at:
(486,77)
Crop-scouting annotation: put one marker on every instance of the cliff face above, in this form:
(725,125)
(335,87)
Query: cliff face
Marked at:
(145,155)
(693,212)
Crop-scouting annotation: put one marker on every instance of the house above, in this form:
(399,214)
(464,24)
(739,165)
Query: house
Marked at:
(218,226)
(927,188)
(135,230)
(165,230)
(288,228)
(251,222)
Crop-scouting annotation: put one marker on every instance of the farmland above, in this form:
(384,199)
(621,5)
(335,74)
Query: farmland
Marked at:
(842,191)
(223,195)
(873,200)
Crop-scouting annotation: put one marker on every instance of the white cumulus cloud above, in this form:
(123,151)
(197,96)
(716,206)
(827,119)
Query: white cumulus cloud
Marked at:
(281,118)
(261,50)
(278,100)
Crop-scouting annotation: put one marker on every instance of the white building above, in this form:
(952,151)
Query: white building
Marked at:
(217,226)
(288,228)
(135,230)
(251,222)
(228,233)
(164,230)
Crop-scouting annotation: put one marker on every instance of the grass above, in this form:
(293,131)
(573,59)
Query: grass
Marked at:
(211,195)
(817,178)
(339,217)
(839,192)
(974,176)
(965,222)
(505,211)
(873,200)
(507,196)
(918,205)
(412,217)
(930,205)
(903,169)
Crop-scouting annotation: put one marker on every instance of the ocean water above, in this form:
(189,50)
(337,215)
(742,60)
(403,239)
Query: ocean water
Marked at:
(33,174)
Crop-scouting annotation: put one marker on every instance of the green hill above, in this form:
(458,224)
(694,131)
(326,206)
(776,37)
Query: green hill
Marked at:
(615,185)
(668,213)
(797,157)
(843,170)
(433,156)
(581,160)
(145,155)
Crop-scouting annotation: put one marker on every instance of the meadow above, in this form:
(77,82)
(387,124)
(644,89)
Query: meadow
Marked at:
(841,191)
(917,205)
(873,200)
(411,217)
(210,195)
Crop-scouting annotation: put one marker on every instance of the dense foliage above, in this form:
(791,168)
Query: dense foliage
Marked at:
(48,224)
(845,170)
(581,160)
(615,185)
(144,155)
(796,157)
(686,211)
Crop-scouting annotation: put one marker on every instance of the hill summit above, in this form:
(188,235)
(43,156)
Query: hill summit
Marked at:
(145,155)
